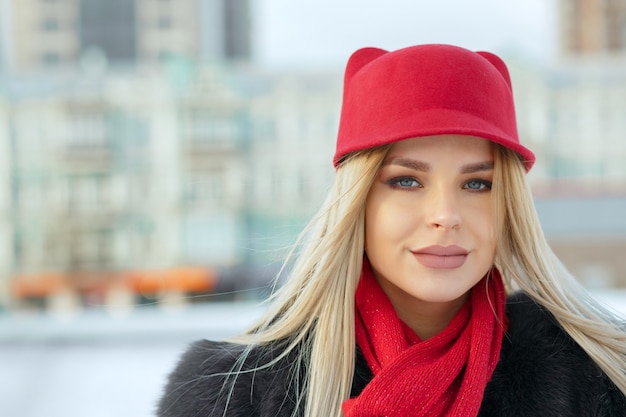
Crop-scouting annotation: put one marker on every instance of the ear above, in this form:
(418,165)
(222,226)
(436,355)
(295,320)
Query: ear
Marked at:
(498,64)
(361,58)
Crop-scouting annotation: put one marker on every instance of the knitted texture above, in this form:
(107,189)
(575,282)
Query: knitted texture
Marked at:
(445,375)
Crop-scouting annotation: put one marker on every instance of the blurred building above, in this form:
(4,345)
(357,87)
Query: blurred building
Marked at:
(140,163)
(91,93)
(81,160)
(40,35)
(573,109)
(572,113)
(113,175)
(6,229)
(587,232)
(592,27)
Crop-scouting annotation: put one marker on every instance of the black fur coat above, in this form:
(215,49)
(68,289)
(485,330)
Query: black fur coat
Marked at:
(541,372)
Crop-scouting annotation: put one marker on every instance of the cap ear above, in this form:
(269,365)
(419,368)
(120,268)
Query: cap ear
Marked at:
(361,58)
(499,64)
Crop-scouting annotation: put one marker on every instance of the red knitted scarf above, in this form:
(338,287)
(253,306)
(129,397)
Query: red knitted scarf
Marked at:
(445,375)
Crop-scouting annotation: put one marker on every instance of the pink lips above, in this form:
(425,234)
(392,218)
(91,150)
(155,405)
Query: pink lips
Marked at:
(441,257)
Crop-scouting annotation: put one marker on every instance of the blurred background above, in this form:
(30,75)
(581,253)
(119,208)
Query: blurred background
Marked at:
(158,158)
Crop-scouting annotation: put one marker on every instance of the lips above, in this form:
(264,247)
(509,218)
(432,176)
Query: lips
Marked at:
(441,257)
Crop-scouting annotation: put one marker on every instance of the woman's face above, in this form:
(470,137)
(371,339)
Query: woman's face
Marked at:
(429,222)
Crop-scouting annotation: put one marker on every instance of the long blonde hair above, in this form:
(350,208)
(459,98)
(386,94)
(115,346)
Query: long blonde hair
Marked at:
(313,312)
(526,260)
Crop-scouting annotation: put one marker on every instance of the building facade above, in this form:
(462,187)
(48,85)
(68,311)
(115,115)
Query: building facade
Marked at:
(218,168)
(149,164)
(114,173)
(592,27)
(40,35)
(574,116)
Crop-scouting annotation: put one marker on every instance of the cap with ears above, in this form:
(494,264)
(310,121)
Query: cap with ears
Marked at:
(426,90)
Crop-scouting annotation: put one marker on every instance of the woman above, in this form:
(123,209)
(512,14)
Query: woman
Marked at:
(397,304)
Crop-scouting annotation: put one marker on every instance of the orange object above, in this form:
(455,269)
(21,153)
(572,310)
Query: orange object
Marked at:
(38,285)
(186,279)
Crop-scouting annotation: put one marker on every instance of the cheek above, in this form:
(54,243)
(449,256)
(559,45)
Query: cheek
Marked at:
(385,221)
(485,229)
(371,223)
(374,222)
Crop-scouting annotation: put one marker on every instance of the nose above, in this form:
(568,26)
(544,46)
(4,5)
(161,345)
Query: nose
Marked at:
(443,210)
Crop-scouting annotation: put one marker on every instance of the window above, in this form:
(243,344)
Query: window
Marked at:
(50,25)
(50,58)
(206,186)
(91,248)
(204,127)
(164,23)
(110,26)
(87,129)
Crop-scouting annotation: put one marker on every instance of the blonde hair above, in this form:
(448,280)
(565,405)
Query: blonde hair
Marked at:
(313,312)
(525,258)
(314,309)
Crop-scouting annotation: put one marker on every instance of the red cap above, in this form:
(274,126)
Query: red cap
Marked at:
(426,90)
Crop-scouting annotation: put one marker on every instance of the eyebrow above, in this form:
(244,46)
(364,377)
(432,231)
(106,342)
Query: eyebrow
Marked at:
(425,167)
(408,163)
(477,167)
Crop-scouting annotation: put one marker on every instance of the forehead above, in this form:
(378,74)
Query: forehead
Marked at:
(449,143)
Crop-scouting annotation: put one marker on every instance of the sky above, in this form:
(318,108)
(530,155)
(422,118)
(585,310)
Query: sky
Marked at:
(323,33)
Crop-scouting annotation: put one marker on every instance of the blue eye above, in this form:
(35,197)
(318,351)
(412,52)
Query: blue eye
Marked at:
(478,185)
(404,182)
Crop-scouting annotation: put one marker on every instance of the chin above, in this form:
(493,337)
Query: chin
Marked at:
(439,297)
(436,291)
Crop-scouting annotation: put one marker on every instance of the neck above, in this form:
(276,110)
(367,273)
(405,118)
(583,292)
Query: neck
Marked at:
(429,319)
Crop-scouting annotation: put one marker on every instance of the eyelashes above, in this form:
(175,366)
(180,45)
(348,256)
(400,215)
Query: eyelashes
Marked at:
(409,183)
(404,183)
(478,185)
